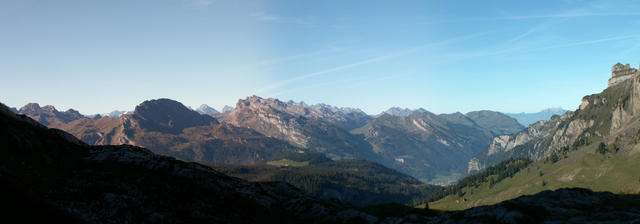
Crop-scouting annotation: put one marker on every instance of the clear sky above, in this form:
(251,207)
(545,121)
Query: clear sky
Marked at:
(444,56)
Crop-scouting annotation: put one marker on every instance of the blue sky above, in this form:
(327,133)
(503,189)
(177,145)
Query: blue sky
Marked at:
(444,56)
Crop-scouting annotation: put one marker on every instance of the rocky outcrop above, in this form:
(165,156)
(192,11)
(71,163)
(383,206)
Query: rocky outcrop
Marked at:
(611,115)
(620,73)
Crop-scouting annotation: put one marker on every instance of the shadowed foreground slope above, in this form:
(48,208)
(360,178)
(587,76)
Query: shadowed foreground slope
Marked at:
(47,174)
(130,184)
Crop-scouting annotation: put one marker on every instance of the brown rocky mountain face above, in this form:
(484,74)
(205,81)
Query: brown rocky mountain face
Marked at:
(316,130)
(46,175)
(48,115)
(169,128)
(424,147)
(611,116)
(418,143)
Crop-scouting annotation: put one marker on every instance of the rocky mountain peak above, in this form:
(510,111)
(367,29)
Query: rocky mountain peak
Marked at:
(206,109)
(30,108)
(49,108)
(48,114)
(256,101)
(227,108)
(403,112)
(166,115)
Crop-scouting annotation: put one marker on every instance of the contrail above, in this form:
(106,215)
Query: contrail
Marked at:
(367,61)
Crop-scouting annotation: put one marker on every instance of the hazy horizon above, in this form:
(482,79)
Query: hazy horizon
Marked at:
(446,57)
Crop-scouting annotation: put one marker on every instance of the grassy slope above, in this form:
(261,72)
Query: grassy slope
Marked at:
(614,172)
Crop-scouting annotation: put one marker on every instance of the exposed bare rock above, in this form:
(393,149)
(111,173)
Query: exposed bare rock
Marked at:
(320,129)
(169,128)
(206,109)
(611,115)
(128,184)
(48,115)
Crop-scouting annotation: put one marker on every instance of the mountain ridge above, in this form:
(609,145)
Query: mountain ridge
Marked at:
(527,119)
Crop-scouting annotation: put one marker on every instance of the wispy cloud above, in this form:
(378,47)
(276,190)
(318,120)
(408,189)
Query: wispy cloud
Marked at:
(591,10)
(365,62)
(568,15)
(279,60)
(283,20)
(199,3)
(586,42)
(535,29)
(519,50)
(626,52)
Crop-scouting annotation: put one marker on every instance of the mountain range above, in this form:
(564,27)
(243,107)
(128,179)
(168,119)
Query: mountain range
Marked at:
(47,174)
(430,147)
(527,119)
(169,128)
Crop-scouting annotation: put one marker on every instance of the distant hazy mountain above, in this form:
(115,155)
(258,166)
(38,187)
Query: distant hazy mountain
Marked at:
(227,108)
(426,145)
(529,118)
(48,115)
(116,113)
(402,112)
(206,109)
(498,123)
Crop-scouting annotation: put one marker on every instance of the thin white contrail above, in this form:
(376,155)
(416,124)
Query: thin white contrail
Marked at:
(635,36)
(364,62)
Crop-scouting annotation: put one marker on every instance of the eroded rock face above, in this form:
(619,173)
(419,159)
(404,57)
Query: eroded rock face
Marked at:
(48,115)
(610,115)
(169,128)
(317,128)
(206,109)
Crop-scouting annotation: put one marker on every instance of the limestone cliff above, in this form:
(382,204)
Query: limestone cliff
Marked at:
(316,128)
(610,115)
